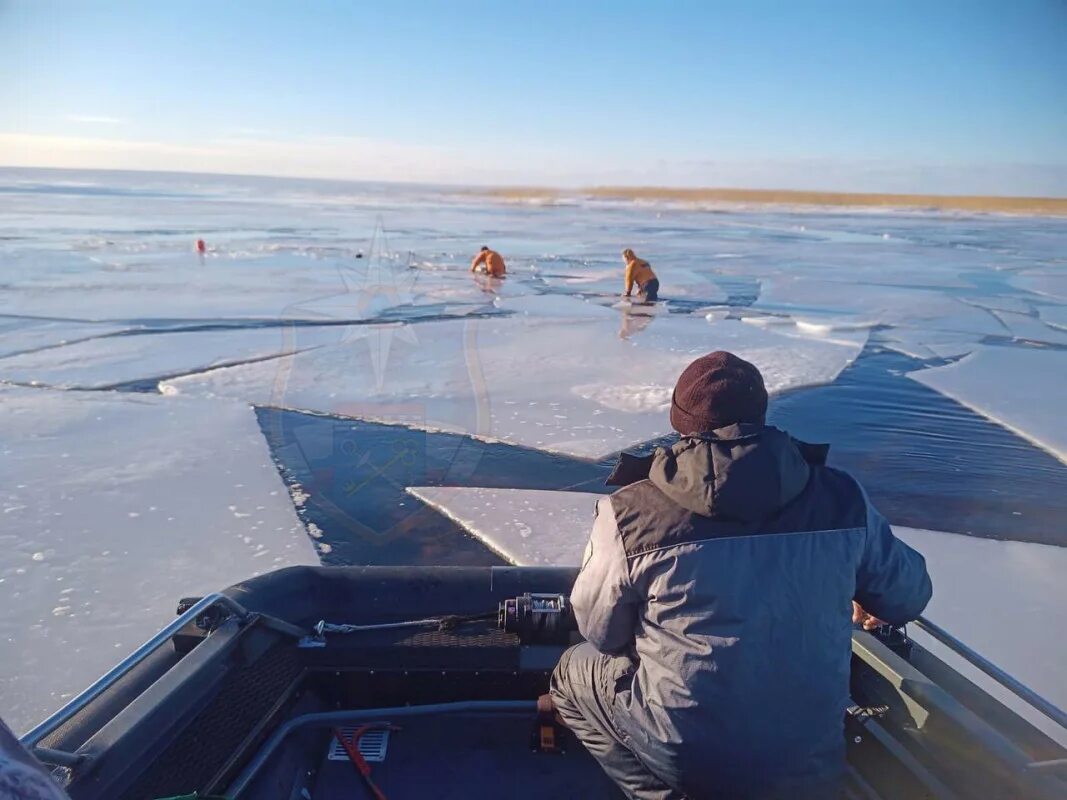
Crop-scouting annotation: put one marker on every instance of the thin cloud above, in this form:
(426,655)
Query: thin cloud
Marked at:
(258,133)
(369,159)
(94,119)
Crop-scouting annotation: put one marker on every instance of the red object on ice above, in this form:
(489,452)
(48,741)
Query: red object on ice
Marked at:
(200,246)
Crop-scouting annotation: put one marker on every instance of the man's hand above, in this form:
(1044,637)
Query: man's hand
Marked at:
(869,621)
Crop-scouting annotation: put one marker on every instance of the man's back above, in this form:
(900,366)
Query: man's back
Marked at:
(492,261)
(728,576)
(639,272)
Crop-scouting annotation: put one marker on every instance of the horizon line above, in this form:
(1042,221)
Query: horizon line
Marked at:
(1055,205)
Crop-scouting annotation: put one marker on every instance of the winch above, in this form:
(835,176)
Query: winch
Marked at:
(538,618)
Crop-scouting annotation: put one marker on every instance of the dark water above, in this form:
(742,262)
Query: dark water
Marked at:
(356,472)
(925,460)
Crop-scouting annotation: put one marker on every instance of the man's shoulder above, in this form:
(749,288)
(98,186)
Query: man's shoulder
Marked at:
(837,480)
(639,492)
(835,498)
(642,495)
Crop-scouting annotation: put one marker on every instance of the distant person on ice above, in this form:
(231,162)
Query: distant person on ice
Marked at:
(491,262)
(639,273)
(717,597)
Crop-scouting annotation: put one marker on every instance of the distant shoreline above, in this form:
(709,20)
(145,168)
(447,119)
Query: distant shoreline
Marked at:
(1043,206)
(702,197)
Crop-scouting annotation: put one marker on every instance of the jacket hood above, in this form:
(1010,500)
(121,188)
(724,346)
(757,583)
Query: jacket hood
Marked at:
(742,472)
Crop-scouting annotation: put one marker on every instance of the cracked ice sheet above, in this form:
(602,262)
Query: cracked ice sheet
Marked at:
(832,302)
(242,285)
(178,285)
(1000,597)
(112,507)
(369,291)
(106,362)
(608,281)
(1034,329)
(578,388)
(19,335)
(922,323)
(1051,284)
(166,286)
(1021,388)
(555,306)
(924,344)
(1054,316)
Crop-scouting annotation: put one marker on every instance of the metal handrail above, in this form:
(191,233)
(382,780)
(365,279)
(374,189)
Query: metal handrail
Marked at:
(108,679)
(1022,691)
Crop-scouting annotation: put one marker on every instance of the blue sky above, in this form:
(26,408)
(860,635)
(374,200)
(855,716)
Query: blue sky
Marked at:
(875,95)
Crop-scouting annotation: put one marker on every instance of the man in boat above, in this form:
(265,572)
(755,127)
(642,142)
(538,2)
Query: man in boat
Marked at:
(640,274)
(491,262)
(717,597)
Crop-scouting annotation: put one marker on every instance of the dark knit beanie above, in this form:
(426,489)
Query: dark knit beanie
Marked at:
(717,390)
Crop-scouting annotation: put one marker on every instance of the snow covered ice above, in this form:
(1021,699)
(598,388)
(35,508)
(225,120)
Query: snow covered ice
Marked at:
(98,363)
(113,507)
(528,527)
(134,472)
(572,386)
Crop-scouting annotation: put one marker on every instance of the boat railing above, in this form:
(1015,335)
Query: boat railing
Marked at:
(112,676)
(1010,683)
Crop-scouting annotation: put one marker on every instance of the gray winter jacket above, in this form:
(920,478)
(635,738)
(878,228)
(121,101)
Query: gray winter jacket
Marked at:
(728,575)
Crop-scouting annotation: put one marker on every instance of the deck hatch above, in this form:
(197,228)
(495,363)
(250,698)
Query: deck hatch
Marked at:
(372,744)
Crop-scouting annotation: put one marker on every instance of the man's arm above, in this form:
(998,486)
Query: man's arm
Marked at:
(605,602)
(892,582)
(479,260)
(629,277)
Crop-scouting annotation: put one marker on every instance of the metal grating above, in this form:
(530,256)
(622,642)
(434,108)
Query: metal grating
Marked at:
(372,744)
(190,761)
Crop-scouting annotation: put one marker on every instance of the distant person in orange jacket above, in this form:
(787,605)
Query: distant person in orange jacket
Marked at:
(639,272)
(491,261)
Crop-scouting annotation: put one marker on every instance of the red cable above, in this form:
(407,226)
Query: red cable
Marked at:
(351,747)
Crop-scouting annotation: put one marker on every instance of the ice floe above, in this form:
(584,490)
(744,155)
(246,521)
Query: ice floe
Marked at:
(171,285)
(586,388)
(112,508)
(1003,599)
(26,335)
(1054,316)
(115,360)
(555,306)
(528,527)
(1049,282)
(1032,328)
(839,303)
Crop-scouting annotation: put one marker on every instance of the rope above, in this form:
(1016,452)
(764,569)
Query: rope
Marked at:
(445,623)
